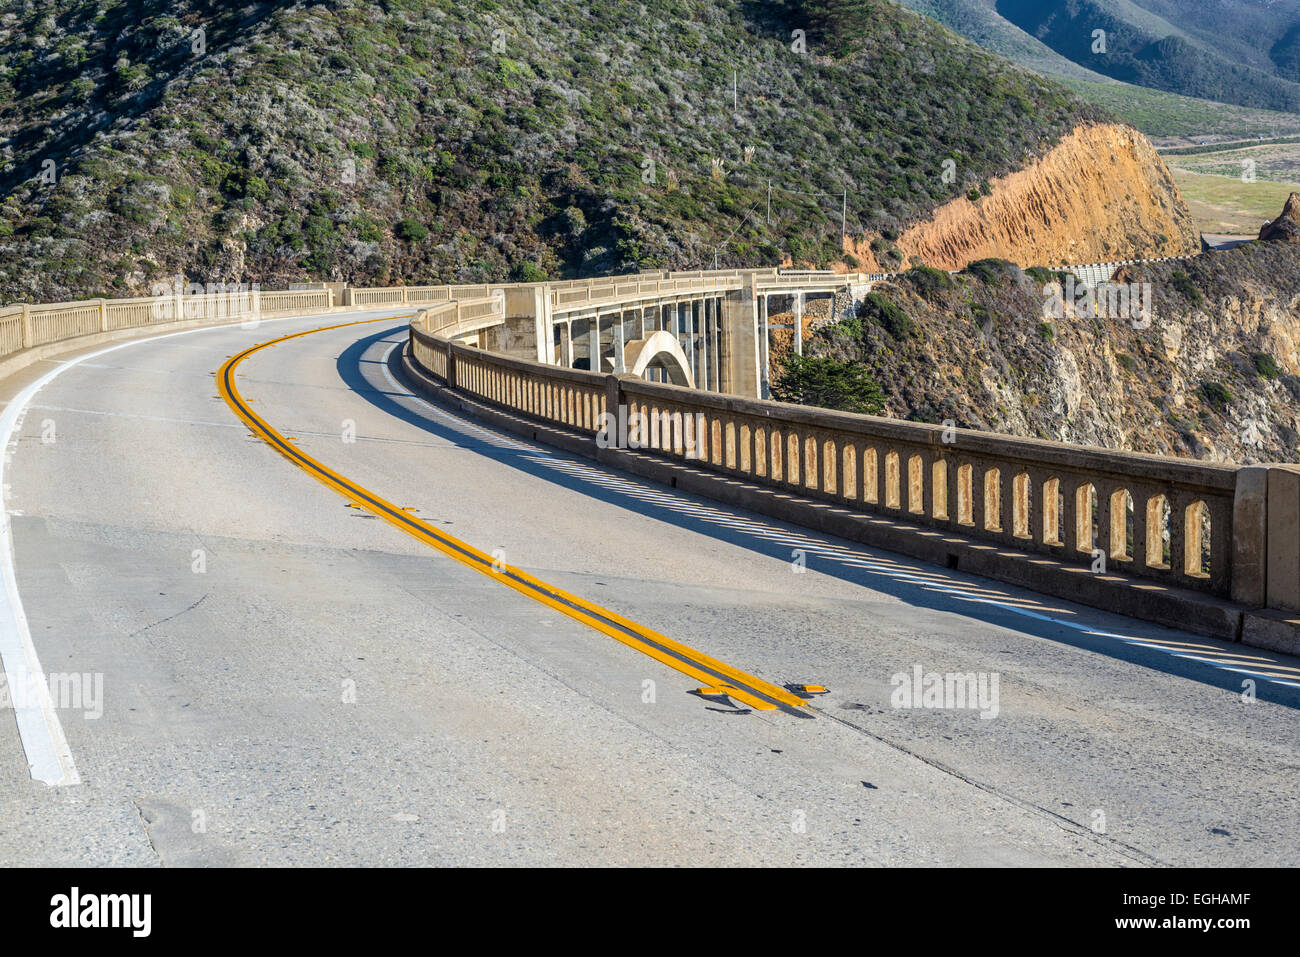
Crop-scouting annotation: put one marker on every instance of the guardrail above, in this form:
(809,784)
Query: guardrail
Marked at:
(1179,522)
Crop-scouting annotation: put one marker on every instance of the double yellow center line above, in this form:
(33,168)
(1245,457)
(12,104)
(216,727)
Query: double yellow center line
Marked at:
(745,688)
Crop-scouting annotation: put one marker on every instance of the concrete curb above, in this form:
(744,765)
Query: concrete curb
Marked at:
(1133,597)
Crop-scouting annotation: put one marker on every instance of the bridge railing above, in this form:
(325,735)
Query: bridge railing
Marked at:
(24,326)
(1163,519)
(590,294)
(1158,518)
(571,398)
(460,317)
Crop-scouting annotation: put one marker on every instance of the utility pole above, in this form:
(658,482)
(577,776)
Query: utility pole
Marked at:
(735,92)
(844,218)
(769,202)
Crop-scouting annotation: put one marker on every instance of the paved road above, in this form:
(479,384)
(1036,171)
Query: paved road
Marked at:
(1226,242)
(288,680)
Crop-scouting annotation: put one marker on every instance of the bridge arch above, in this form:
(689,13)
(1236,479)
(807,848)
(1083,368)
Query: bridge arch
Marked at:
(659,350)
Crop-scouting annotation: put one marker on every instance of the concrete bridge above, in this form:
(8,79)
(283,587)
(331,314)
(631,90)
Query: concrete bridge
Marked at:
(380,576)
(705,330)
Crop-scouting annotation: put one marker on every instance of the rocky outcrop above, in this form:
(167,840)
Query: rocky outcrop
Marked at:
(1212,373)
(1101,194)
(1286,228)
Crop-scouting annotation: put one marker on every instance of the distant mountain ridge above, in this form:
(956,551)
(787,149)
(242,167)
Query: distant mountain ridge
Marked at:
(1234,51)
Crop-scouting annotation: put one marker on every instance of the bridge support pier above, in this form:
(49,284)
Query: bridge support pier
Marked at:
(703,349)
(798,323)
(566,345)
(738,333)
(619,366)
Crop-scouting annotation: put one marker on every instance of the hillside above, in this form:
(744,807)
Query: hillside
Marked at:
(427,140)
(1172,56)
(1215,374)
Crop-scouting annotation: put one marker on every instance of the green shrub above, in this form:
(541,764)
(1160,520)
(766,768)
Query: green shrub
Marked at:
(1216,394)
(1184,285)
(882,312)
(1046,331)
(367,229)
(408,230)
(1266,365)
(529,272)
(240,184)
(988,271)
(1126,361)
(829,384)
(927,280)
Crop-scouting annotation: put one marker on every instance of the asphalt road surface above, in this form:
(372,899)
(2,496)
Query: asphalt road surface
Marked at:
(272,675)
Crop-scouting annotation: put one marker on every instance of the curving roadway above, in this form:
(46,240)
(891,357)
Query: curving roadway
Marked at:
(288,679)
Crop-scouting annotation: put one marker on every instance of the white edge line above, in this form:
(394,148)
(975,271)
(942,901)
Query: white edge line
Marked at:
(49,759)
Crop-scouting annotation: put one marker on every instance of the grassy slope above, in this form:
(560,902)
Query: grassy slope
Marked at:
(1166,116)
(482,135)
(1226,205)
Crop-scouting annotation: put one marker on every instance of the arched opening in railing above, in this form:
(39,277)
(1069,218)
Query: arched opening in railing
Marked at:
(1053,506)
(993,500)
(830,467)
(892,480)
(849,467)
(871,475)
(1021,505)
(965,495)
(916,485)
(1085,518)
(939,489)
(1121,525)
(1196,540)
(810,469)
(1157,533)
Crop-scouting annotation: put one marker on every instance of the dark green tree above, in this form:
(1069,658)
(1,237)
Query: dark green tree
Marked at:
(829,384)
(833,25)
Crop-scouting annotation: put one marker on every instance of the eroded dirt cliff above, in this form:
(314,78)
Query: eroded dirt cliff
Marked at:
(1101,194)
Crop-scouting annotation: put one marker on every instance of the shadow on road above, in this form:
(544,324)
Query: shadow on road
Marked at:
(1219,664)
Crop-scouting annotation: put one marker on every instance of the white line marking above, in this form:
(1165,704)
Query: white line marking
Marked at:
(49,759)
